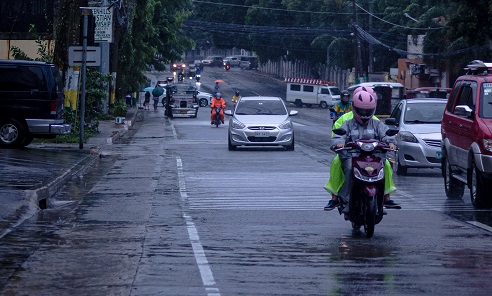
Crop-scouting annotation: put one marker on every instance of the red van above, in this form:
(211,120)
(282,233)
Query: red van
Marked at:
(467,136)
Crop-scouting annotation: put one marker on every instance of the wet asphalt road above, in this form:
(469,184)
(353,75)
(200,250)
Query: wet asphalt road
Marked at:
(170,211)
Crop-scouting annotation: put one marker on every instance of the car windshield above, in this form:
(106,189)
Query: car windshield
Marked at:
(336,91)
(424,113)
(486,101)
(261,107)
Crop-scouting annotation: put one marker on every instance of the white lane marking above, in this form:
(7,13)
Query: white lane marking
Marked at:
(480,225)
(200,257)
(175,135)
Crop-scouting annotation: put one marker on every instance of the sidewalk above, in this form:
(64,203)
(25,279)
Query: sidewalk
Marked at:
(19,205)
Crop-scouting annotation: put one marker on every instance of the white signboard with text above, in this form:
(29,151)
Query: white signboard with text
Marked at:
(104,24)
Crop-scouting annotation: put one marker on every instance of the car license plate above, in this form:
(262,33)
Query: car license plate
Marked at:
(261,134)
(438,155)
(184,112)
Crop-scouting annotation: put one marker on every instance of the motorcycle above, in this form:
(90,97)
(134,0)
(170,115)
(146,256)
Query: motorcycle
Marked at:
(217,119)
(197,77)
(367,194)
(227,66)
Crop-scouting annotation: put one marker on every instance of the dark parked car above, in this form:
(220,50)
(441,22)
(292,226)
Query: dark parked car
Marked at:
(31,102)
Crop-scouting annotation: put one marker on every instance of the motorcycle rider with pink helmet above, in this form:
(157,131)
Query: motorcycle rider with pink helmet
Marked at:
(362,125)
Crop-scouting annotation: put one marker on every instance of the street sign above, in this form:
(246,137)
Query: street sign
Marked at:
(75,56)
(104,24)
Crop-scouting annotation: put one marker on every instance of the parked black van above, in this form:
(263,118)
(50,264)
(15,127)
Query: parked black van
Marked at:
(31,102)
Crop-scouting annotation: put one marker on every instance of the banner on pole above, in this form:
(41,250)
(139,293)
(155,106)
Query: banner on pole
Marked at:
(104,24)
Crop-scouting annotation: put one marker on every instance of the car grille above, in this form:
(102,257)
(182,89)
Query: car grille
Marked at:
(261,128)
(262,139)
(433,143)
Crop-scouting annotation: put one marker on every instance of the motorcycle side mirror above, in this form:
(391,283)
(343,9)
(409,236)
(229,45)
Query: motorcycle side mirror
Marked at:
(339,131)
(391,132)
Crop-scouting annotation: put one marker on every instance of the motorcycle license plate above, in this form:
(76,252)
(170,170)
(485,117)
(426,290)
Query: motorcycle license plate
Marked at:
(261,134)
(438,155)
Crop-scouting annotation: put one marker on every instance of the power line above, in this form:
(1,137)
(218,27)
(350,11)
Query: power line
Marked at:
(274,9)
(372,40)
(393,24)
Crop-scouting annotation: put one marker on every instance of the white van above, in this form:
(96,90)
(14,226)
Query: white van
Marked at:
(309,92)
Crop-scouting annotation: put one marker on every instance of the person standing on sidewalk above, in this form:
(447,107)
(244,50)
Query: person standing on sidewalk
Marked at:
(156,93)
(147,101)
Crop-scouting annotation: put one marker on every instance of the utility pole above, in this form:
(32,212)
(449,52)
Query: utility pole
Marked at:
(371,57)
(357,51)
(86,13)
(104,68)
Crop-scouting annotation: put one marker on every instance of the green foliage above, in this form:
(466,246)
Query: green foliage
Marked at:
(44,54)
(152,37)
(119,109)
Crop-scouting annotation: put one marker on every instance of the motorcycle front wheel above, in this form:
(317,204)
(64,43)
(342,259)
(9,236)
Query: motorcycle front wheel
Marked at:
(370,218)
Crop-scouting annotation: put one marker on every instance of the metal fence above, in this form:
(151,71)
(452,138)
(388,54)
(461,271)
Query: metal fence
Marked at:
(282,69)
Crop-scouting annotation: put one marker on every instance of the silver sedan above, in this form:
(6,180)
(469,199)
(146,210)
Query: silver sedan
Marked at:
(419,136)
(261,121)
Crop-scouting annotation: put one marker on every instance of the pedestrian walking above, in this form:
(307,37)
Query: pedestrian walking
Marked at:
(216,88)
(147,101)
(156,93)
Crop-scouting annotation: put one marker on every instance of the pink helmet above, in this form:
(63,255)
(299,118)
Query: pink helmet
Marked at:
(364,106)
(366,88)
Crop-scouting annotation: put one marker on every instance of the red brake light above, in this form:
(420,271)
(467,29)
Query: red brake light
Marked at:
(53,107)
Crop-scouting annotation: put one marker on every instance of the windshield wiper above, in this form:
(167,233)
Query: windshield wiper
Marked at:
(421,121)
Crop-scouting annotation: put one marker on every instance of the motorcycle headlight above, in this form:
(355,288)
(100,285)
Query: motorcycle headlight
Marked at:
(285,125)
(361,177)
(367,146)
(407,137)
(236,124)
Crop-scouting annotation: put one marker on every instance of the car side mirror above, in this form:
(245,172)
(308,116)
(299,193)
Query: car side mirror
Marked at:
(391,121)
(228,112)
(293,112)
(463,110)
(339,131)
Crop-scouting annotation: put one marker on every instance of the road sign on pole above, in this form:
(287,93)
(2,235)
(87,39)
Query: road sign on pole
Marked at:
(93,55)
(104,24)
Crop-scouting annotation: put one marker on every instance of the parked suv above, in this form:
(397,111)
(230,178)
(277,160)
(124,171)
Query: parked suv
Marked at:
(31,102)
(467,136)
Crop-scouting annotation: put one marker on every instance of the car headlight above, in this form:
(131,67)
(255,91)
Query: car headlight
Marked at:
(407,137)
(285,125)
(236,124)
(487,144)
